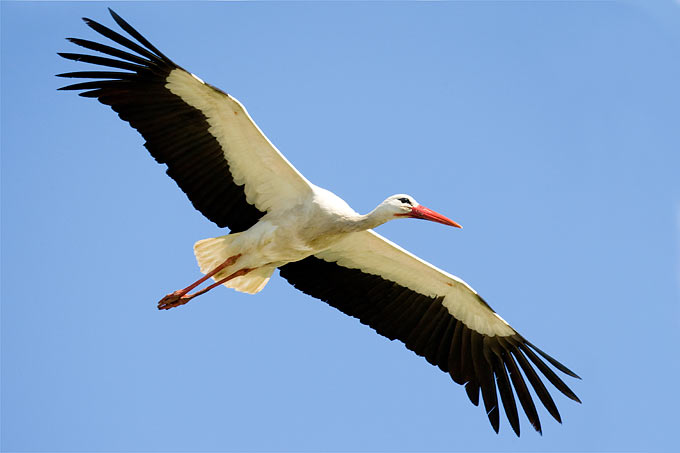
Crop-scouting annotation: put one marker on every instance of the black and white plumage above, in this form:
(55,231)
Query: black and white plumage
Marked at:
(278,219)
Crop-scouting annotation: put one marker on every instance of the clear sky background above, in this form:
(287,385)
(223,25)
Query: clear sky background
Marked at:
(549,130)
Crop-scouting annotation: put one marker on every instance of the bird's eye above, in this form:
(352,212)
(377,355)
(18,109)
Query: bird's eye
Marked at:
(406,201)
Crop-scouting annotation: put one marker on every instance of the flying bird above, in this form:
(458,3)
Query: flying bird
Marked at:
(236,178)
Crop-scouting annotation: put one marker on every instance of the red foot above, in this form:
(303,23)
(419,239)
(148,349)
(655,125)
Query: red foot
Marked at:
(172,300)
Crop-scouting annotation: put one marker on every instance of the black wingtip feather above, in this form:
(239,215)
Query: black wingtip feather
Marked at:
(505,390)
(522,391)
(537,384)
(549,374)
(494,417)
(103,61)
(472,390)
(552,361)
(135,34)
(122,40)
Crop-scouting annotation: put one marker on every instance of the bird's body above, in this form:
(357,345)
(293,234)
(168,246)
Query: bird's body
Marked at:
(234,175)
(308,227)
(313,224)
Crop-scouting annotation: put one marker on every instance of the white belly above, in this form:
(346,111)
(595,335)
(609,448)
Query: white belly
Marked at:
(278,238)
(294,234)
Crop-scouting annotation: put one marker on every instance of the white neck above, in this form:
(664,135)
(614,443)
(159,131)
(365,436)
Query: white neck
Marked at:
(373,219)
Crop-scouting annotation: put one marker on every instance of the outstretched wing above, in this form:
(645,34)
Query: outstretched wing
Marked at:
(214,151)
(438,316)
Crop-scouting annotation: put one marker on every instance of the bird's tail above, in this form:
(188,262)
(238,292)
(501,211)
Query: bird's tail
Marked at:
(212,252)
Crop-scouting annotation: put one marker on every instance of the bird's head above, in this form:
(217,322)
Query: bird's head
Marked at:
(402,205)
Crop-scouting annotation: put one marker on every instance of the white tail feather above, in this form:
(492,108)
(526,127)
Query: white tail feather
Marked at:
(212,252)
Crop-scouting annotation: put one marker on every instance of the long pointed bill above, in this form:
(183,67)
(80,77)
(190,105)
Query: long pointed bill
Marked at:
(421,212)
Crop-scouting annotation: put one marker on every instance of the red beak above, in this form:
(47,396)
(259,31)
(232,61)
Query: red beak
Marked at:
(421,212)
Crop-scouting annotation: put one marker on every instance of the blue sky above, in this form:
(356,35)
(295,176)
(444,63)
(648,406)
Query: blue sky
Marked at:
(549,130)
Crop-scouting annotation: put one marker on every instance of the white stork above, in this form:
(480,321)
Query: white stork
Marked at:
(235,177)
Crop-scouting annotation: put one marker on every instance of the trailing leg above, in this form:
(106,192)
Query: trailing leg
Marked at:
(180,297)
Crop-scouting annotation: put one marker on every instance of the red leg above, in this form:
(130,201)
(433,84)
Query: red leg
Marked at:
(177,295)
(169,302)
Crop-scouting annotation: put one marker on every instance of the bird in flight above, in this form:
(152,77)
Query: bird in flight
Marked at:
(236,178)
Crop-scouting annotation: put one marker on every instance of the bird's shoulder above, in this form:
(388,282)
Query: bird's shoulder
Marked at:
(326,202)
